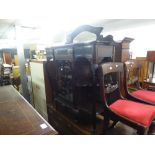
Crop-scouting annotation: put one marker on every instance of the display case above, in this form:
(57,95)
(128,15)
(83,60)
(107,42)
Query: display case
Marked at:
(72,71)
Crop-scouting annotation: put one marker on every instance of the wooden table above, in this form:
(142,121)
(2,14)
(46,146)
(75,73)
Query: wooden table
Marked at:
(18,117)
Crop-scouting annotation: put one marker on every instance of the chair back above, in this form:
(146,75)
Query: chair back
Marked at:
(111,80)
(150,66)
(132,74)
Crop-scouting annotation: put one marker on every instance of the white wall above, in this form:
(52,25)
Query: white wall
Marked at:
(144,38)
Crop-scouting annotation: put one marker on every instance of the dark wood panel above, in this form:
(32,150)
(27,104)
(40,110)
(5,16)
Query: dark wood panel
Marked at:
(17,116)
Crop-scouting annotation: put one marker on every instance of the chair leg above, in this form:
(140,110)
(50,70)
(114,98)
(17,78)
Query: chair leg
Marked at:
(141,131)
(94,118)
(151,129)
(113,124)
(106,123)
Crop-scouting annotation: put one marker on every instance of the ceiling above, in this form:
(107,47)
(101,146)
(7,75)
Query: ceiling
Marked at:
(7,27)
(118,24)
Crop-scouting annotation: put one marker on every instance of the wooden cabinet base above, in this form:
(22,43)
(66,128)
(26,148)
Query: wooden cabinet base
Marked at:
(67,125)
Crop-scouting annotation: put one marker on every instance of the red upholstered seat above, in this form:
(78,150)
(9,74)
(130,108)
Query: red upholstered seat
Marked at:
(145,95)
(134,111)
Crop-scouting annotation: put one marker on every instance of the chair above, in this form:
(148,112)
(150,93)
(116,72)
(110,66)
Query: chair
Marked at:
(133,89)
(134,114)
(151,63)
(150,77)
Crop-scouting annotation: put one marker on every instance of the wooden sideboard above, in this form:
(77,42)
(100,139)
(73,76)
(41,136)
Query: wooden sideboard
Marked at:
(18,117)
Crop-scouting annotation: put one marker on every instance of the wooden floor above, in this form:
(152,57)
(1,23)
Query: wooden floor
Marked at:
(119,129)
(122,129)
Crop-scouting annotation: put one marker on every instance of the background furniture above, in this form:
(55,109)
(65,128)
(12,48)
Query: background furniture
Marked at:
(151,66)
(38,87)
(122,48)
(1,75)
(7,58)
(5,74)
(149,80)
